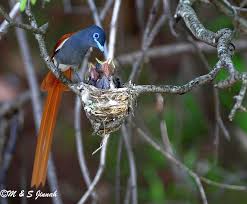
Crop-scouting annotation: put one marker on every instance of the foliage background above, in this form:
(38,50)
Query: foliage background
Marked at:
(189,118)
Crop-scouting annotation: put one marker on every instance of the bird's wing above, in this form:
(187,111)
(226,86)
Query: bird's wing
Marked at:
(60,43)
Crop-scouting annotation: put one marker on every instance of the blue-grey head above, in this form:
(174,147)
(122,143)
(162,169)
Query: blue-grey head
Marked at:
(96,37)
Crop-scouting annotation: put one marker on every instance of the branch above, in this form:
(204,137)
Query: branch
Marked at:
(8,108)
(13,13)
(99,172)
(231,11)
(176,89)
(239,98)
(176,162)
(221,40)
(174,49)
(79,147)
(30,73)
(27,27)
(140,13)
(118,171)
(95,13)
(194,175)
(148,37)
(10,148)
(105,9)
(113,29)
(97,19)
(133,179)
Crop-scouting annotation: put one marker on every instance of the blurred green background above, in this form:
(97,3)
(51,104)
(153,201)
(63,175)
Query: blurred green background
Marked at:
(190,118)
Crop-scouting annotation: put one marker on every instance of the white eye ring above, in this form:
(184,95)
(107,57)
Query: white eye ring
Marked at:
(96,35)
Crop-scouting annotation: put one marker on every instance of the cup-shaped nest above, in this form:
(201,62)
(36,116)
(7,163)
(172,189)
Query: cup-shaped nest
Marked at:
(107,109)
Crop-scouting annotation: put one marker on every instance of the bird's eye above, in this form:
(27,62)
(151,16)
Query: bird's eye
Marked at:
(96,35)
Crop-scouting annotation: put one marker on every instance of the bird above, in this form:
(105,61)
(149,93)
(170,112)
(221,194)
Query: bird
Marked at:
(101,75)
(67,55)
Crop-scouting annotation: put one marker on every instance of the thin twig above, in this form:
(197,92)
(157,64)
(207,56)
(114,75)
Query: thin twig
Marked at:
(239,99)
(174,49)
(105,9)
(175,161)
(94,12)
(127,192)
(231,11)
(11,22)
(118,172)
(97,20)
(140,13)
(13,13)
(132,166)
(198,81)
(168,13)
(221,40)
(113,29)
(9,151)
(98,174)
(30,73)
(9,108)
(182,166)
(147,38)
(79,147)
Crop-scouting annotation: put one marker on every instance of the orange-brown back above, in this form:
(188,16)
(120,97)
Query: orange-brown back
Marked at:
(60,41)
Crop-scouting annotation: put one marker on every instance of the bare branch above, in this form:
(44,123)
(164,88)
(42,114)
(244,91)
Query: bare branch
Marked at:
(221,39)
(97,20)
(175,161)
(11,22)
(167,12)
(174,49)
(231,11)
(118,171)
(13,13)
(133,179)
(196,177)
(239,99)
(113,29)
(10,107)
(94,12)
(105,9)
(79,147)
(9,149)
(140,13)
(99,172)
(198,81)
(148,37)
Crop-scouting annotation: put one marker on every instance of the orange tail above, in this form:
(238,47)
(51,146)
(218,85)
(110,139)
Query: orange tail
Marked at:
(43,148)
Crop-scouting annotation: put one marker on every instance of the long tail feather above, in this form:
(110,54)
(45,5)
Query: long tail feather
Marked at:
(38,153)
(45,136)
(54,110)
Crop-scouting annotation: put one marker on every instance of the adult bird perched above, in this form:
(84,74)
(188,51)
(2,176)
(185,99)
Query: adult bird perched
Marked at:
(68,53)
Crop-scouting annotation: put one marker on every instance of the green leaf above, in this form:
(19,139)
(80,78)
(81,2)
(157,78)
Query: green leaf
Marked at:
(33,2)
(23,5)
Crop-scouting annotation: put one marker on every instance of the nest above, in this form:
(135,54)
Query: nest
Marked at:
(107,109)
